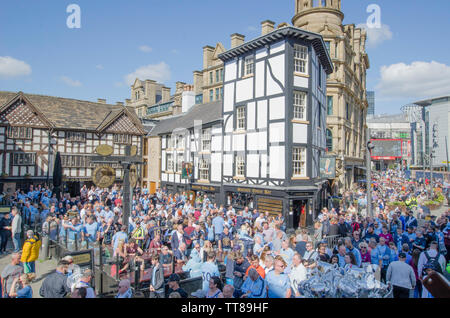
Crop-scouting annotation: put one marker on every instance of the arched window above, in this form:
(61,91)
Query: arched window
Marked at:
(329,140)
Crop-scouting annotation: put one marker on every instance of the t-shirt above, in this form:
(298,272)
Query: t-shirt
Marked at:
(226,240)
(25,292)
(92,230)
(278,284)
(218,223)
(9,273)
(208,270)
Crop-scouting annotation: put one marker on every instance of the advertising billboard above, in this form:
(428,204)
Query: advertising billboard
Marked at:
(386,149)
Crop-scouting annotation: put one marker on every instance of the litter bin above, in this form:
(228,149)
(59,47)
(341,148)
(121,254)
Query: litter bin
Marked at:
(45,246)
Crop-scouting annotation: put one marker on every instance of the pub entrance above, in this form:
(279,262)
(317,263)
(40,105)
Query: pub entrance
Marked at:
(299,208)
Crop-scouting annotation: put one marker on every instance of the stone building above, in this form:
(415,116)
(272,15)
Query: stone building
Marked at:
(346,87)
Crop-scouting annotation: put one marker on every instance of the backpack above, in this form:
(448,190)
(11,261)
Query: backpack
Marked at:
(434,261)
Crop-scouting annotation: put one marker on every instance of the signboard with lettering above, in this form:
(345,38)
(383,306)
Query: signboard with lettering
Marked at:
(84,259)
(273,206)
(205,188)
(386,149)
(328,167)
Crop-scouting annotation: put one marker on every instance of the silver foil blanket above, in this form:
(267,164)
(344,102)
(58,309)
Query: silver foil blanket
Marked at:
(330,281)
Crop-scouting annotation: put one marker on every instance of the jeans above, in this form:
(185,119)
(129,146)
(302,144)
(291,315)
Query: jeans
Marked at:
(29,267)
(5,235)
(401,292)
(16,242)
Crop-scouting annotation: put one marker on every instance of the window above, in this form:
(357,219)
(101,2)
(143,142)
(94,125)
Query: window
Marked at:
(240,166)
(180,142)
(319,116)
(217,94)
(329,140)
(240,118)
(211,95)
(20,132)
(327,44)
(122,139)
(249,65)
(76,136)
(221,93)
(347,111)
(136,95)
(329,105)
(299,161)
(169,162)
(70,161)
(300,58)
(206,140)
(145,169)
(211,78)
(221,74)
(24,159)
(203,168)
(300,105)
(180,159)
(217,76)
(169,142)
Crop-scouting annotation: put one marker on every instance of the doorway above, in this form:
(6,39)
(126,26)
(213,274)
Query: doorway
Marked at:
(299,209)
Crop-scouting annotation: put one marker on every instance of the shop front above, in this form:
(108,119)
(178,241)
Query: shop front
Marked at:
(196,190)
(297,205)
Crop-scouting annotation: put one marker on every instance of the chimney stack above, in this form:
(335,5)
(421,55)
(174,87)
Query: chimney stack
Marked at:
(165,92)
(208,52)
(198,82)
(150,91)
(120,103)
(237,39)
(267,27)
(101,101)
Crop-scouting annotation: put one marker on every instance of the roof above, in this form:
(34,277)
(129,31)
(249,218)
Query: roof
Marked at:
(276,35)
(206,113)
(397,118)
(431,101)
(74,114)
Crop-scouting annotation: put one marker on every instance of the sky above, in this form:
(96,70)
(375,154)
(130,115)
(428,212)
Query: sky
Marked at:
(162,40)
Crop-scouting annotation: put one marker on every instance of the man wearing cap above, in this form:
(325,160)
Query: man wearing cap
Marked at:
(174,286)
(30,252)
(401,276)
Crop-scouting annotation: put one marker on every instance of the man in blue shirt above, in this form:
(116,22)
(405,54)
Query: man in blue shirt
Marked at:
(277,281)
(218,223)
(351,249)
(209,269)
(91,230)
(254,286)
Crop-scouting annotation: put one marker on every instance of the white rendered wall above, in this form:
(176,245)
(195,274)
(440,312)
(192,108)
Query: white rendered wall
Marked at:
(244,90)
(276,164)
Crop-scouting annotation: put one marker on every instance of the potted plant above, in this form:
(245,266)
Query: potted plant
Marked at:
(27,175)
(4,175)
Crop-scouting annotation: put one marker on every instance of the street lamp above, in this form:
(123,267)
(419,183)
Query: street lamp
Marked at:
(370,147)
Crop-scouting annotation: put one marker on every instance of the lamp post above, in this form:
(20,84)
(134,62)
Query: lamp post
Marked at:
(370,147)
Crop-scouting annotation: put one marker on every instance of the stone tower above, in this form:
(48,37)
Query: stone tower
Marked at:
(346,87)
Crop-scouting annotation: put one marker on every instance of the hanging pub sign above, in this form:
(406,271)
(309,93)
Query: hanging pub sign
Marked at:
(328,167)
(186,171)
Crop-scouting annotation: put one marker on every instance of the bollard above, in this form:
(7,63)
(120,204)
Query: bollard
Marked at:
(45,246)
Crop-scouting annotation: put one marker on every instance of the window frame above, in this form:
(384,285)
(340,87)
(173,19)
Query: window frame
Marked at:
(300,60)
(249,68)
(330,98)
(19,159)
(299,157)
(19,132)
(241,110)
(123,139)
(169,162)
(203,169)
(206,140)
(297,107)
(239,160)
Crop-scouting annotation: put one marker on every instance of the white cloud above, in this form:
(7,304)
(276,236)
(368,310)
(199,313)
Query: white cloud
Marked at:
(145,48)
(70,82)
(10,67)
(416,80)
(99,67)
(376,36)
(157,72)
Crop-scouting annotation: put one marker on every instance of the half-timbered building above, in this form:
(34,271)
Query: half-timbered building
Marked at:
(33,128)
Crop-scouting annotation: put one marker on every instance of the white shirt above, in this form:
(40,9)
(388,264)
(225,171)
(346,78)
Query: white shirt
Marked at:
(297,275)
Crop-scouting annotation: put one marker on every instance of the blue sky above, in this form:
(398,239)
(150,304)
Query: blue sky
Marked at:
(40,54)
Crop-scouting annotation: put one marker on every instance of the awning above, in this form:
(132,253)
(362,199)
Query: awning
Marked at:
(361,167)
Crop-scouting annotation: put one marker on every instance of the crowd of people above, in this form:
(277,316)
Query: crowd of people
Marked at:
(238,253)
